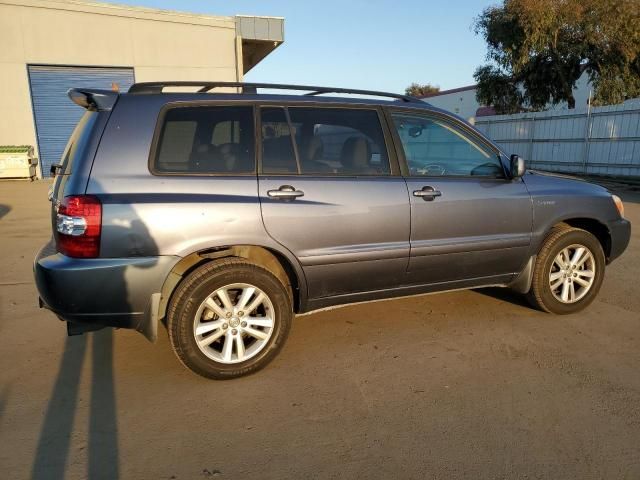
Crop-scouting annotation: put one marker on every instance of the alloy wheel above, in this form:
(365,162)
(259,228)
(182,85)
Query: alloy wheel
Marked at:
(572,273)
(234,323)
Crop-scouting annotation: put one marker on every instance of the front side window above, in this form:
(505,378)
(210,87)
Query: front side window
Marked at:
(436,148)
(209,140)
(328,141)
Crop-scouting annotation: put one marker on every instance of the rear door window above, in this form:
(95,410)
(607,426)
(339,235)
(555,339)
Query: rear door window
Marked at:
(206,140)
(278,151)
(323,141)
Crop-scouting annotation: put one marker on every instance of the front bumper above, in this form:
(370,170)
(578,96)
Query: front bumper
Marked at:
(620,231)
(114,292)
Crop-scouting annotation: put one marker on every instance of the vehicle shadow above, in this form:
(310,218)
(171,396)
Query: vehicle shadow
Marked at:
(55,437)
(54,444)
(103,428)
(4,209)
(4,396)
(505,295)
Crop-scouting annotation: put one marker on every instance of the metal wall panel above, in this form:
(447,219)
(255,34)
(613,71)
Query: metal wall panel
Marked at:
(260,28)
(602,141)
(55,115)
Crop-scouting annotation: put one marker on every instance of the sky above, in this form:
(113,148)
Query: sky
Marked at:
(376,44)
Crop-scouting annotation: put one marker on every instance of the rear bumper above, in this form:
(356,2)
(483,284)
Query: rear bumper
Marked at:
(114,292)
(620,231)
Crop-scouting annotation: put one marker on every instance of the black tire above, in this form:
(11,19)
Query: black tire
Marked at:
(541,295)
(195,289)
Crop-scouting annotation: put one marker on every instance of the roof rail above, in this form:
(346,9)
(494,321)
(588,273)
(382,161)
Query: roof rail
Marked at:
(158,87)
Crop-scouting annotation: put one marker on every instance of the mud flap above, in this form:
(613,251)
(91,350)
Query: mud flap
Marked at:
(148,326)
(522,283)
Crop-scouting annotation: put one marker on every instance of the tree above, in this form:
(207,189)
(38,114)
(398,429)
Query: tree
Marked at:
(538,49)
(417,90)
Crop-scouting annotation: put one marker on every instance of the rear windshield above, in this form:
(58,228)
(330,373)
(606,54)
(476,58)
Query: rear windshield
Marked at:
(76,145)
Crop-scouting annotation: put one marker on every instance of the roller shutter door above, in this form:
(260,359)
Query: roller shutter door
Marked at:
(55,115)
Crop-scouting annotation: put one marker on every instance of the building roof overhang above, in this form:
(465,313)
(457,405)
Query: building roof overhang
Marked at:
(260,36)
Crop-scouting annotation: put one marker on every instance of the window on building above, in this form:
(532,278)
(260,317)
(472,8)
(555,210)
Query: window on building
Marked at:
(437,148)
(328,141)
(209,140)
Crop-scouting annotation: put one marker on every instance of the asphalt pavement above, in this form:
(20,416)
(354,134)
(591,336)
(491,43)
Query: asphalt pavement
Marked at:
(470,384)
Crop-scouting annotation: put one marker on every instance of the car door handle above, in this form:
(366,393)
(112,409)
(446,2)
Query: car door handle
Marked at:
(285,192)
(427,193)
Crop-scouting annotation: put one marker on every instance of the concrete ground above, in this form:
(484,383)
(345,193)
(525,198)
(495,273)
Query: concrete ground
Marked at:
(470,384)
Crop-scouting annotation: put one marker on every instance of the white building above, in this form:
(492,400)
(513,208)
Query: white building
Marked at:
(49,46)
(462,101)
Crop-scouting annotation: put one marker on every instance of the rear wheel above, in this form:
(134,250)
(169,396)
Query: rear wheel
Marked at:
(569,271)
(229,318)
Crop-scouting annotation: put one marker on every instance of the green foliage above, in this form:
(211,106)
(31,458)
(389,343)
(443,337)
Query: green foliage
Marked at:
(538,49)
(498,90)
(417,90)
(15,148)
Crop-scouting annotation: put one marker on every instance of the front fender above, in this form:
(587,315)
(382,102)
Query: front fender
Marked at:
(558,199)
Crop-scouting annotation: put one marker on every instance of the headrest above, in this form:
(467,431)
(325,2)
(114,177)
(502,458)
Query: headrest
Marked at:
(356,152)
(312,149)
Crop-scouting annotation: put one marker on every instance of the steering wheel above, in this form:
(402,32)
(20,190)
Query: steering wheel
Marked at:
(432,169)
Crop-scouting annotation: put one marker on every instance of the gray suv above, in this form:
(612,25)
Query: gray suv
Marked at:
(222,215)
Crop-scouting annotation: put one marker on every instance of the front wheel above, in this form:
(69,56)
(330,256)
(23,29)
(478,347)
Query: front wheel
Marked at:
(228,318)
(568,273)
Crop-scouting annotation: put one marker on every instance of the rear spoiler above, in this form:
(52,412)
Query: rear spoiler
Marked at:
(93,99)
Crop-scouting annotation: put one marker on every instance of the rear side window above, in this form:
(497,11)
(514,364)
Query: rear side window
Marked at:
(76,148)
(206,140)
(323,141)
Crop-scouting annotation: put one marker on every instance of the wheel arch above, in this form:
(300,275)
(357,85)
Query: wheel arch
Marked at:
(591,225)
(541,294)
(278,263)
(522,282)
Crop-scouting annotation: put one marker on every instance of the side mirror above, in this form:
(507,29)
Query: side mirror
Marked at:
(517,166)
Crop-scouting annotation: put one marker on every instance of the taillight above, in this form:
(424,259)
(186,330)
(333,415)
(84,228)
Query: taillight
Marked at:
(78,226)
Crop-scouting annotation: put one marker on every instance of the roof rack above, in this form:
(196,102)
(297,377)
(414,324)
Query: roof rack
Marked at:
(248,88)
